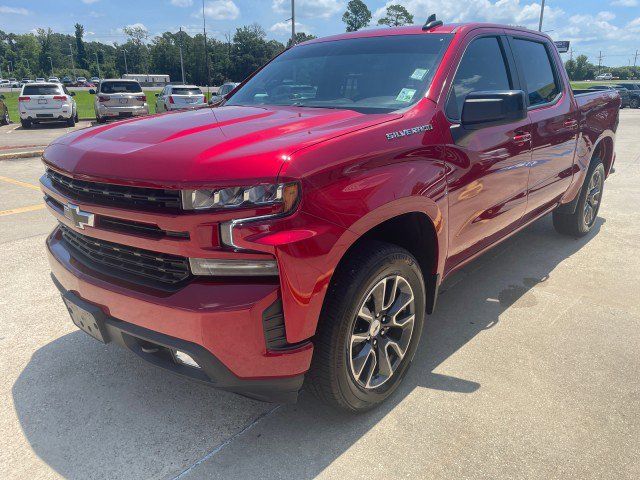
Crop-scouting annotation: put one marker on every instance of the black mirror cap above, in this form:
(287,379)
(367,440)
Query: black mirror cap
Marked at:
(1,97)
(157,94)
(73,94)
(482,109)
(92,92)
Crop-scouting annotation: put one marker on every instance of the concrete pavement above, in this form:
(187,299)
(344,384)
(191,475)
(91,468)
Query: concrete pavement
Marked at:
(528,369)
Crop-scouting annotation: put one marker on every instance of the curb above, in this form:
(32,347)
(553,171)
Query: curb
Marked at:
(27,154)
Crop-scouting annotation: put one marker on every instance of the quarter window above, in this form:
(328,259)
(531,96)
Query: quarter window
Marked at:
(541,82)
(482,68)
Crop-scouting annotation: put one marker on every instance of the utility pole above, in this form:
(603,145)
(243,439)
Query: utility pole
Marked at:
(541,16)
(293,22)
(181,62)
(635,61)
(599,61)
(98,62)
(126,69)
(73,64)
(204,31)
(51,62)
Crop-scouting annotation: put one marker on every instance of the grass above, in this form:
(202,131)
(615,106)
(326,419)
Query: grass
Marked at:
(84,100)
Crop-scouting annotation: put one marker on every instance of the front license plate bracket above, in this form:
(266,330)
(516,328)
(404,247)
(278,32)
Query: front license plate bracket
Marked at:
(86,316)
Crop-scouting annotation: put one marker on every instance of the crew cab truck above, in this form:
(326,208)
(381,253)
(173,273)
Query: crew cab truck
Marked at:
(299,231)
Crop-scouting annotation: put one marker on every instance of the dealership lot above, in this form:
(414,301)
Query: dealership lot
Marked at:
(528,369)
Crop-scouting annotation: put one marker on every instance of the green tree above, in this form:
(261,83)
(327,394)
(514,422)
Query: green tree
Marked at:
(357,15)
(251,50)
(301,37)
(81,53)
(396,16)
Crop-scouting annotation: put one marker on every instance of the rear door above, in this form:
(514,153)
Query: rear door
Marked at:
(42,97)
(487,169)
(554,121)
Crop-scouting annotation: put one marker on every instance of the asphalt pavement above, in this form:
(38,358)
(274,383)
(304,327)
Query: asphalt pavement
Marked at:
(528,369)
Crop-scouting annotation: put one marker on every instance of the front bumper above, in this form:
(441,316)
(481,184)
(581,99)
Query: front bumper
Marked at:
(218,324)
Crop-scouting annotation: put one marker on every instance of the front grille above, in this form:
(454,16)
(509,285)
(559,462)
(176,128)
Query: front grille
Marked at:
(109,194)
(128,263)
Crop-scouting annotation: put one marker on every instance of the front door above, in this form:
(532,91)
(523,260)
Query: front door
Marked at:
(487,169)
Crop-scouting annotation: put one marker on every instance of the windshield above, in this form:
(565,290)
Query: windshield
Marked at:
(120,87)
(41,90)
(371,75)
(186,91)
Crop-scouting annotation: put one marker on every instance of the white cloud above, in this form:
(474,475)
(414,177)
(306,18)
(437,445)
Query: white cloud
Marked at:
(219,10)
(89,2)
(137,25)
(94,14)
(634,25)
(606,16)
(284,28)
(182,3)
(625,3)
(310,8)
(16,11)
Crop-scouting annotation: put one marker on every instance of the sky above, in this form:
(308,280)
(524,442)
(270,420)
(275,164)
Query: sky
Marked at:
(610,26)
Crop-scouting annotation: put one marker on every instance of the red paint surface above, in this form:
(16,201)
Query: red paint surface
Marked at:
(475,193)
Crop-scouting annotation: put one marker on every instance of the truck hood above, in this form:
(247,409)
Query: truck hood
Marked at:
(209,146)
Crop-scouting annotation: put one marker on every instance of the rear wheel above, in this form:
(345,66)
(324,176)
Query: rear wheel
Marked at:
(25,123)
(369,329)
(583,219)
(71,122)
(5,118)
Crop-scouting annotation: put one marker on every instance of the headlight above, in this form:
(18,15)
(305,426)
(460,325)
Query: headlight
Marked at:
(285,194)
(223,267)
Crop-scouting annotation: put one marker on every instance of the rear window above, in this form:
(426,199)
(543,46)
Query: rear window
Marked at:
(542,84)
(41,90)
(186,91)
(120,87)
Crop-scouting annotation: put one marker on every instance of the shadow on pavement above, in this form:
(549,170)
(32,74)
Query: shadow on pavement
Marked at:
(95,411)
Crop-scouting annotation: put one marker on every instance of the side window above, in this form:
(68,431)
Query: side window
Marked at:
(482,68)
(541,82)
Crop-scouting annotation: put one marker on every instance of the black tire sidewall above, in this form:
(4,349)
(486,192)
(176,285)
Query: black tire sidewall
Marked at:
(582,226)
(400,263)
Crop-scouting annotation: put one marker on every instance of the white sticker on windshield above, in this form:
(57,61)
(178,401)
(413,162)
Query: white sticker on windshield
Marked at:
(419,73)
(405,95)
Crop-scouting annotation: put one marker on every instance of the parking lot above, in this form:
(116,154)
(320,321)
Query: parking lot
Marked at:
(528,369)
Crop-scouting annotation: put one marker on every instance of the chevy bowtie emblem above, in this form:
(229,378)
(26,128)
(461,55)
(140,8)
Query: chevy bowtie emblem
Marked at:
(79,218)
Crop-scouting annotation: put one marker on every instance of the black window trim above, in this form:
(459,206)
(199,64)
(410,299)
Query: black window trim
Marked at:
(554,70)
(509,63)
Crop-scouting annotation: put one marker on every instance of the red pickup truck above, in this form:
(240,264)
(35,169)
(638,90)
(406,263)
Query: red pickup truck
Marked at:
(298,232)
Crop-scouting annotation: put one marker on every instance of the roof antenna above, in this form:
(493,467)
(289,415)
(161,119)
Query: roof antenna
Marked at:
(431,23)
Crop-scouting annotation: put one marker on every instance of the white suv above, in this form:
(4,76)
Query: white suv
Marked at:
(179,97)
(119,99)
(46,102)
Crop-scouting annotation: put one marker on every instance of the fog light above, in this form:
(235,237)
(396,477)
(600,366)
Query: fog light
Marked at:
(185,359)
(220,267)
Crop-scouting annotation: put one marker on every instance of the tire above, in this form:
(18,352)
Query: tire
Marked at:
(341,341)
(100,119)
(71,122)
(76,117)
(5,118)
(25,123)
(581,222)
(634,103)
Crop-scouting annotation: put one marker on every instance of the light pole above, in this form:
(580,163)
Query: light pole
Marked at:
(181,62)
(541,15)
(98,62)
(51,62)
(293,22)
(204,31)
(10,66)
(73,64)
(126,69)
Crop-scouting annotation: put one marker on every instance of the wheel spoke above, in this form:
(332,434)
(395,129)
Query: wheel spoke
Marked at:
(358,338)
(372,368)
(365,313)
(384,367)
(377,294)
(359,362)
(402,302)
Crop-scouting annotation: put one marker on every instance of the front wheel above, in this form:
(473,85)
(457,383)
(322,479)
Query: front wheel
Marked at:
(580,222)
(25,123)
(634,103)
(5,118)
(369,328)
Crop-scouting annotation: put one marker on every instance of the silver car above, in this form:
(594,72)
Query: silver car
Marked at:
(179,97)
(119,99)
(222,91)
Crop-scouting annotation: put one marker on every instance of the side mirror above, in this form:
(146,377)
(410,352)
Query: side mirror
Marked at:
(1,97)
(483,109)
(157,94)
(92,91)
(73,94)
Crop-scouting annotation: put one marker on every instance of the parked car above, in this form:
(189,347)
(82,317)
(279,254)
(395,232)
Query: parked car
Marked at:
(67,81)
(280,238)
(4,83)
(604,76)
(46,102)
(179,97)
(95,80)
(4,112)
(15,83)
(54,80)
(224,89)
(40,80)
(25,81)
(633,90)
(80,81)
(625,97)
(119,98)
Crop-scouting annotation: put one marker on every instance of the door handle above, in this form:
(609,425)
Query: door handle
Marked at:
(522,137)
(570,124)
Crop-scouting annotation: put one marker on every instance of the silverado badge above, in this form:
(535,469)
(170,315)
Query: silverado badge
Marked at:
(409,131)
